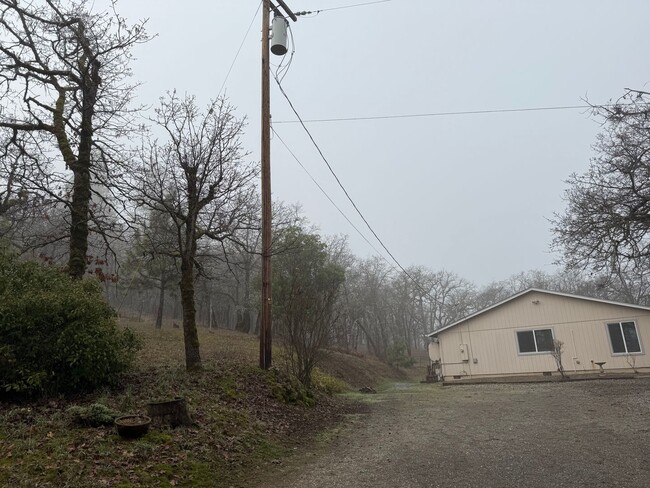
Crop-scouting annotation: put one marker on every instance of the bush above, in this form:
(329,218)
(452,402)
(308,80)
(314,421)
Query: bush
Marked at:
(57,335)
(287,389)
(328,384)
(398,358)
(94,415)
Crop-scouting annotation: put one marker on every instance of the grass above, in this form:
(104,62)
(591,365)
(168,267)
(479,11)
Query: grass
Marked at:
(241,423)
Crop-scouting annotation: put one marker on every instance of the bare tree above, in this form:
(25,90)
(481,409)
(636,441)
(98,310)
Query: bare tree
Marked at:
(17,201)
(241,263)
(606,225)
(367,290)
(451,298)
(198,178)
(63,77)
(631,361)
(558,349)
(14,170)
(148,260)
(387,309)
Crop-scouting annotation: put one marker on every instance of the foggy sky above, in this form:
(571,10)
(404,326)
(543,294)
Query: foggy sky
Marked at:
(467,193)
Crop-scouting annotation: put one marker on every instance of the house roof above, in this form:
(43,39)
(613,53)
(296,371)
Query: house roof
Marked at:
(525,292)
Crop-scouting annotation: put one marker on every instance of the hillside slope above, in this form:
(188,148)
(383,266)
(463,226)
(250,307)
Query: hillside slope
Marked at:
(244,419)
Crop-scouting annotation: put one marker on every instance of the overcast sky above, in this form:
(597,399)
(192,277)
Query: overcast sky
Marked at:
(467,193)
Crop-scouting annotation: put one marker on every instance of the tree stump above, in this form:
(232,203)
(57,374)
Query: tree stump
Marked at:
(170,412)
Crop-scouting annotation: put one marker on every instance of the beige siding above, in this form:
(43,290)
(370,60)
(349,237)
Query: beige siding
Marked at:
(580,324)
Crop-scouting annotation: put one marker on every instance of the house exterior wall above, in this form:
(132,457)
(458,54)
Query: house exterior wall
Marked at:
(487,343)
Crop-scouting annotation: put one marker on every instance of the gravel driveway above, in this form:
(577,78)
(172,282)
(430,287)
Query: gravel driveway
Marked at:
(578,434)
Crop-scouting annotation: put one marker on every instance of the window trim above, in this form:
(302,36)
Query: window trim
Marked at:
(532,329)
(638,338)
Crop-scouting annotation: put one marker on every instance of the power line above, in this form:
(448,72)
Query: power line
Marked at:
(445,114)
(278,78)
(327,196)
(329,166)
(342,7)
(240,48)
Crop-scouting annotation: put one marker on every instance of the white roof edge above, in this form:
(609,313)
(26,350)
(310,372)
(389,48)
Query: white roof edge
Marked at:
(529,290)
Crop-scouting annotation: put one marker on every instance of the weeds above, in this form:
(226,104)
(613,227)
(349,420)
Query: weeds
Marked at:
(94,415)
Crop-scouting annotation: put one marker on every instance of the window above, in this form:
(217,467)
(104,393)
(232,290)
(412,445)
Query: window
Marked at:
(536,340)
(624,337)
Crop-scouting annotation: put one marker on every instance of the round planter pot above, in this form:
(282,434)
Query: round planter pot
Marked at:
(132,426)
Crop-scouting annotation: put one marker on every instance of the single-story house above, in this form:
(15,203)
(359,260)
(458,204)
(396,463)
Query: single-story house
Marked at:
(516,337)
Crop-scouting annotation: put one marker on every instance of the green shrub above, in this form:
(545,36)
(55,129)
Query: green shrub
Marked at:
(94,415)
(328,384)
(286,388)
(398,357)
(57,335)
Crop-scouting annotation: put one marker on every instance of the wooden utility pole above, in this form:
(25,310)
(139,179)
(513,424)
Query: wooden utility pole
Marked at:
(265,323)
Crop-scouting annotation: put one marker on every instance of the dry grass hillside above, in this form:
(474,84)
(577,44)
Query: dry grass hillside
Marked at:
(165,347)
(244,419)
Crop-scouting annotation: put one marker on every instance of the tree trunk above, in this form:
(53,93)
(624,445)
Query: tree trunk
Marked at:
(79,222)
(161,305)
(243,321)
(81,190)
(190,334)
(258,320)
(371,343)
(175,309)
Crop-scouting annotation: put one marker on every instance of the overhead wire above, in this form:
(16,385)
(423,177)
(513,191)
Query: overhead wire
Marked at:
(303,122)
(406,273)
(293,155)
(240,48)
(345,191)
(316,12)
(446,114)
(279,75)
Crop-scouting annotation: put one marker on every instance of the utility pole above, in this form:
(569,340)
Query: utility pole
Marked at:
(265,323)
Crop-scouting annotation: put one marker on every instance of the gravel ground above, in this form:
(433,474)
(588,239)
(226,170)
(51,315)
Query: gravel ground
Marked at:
(578,434)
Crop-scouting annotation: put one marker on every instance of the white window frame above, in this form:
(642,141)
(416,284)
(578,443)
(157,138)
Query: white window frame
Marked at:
(534,339)
(620,325)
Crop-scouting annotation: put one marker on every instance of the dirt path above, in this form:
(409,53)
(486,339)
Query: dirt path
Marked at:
(579,434)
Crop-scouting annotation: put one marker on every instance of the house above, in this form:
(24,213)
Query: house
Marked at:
(516,337)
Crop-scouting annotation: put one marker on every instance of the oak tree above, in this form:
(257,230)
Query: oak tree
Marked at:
(606,224)
(197,177)
(66,98)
